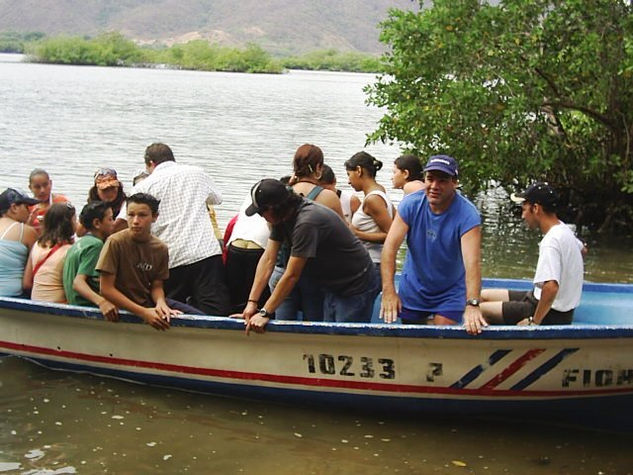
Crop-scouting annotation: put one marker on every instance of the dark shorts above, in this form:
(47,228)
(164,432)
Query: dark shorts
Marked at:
(419,317)
(523,304)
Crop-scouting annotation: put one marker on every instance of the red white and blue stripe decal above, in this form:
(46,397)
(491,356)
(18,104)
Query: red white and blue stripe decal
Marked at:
(511,368)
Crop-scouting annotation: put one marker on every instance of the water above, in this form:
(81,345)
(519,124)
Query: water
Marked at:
(239,128)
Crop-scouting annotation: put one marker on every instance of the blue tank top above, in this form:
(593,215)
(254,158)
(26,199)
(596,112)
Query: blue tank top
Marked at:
(13,255)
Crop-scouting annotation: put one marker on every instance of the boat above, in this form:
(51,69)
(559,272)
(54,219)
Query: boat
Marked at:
(580,373)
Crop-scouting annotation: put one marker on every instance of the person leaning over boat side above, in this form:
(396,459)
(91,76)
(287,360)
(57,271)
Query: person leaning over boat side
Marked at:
(322,246)
(44,269)
(559,270)
(41,186)
(81,279)
(306,296)
(349,201)
(441,277)
(407,174)
(133,265)
(196,272)
(372,221)
(16,240)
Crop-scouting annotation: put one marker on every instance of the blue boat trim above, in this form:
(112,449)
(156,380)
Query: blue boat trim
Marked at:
(500,332)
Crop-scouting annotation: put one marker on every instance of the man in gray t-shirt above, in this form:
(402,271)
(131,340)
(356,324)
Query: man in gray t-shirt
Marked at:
(321,245)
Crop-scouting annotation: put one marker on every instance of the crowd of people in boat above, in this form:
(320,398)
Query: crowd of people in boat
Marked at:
(299,248)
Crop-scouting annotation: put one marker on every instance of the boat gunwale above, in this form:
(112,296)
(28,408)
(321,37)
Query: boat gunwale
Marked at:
(496,332)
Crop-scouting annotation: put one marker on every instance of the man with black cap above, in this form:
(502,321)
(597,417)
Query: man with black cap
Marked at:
(559,271)
(441,277)
(321,245)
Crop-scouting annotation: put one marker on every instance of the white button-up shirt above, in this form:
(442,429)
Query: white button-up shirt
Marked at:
(183,221)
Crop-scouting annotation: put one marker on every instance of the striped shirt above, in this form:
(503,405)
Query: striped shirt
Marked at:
(183,221)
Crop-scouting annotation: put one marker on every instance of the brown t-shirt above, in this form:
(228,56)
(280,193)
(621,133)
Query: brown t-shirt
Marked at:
(135,265)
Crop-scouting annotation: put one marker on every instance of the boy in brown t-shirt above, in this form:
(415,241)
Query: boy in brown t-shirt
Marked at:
(133,265)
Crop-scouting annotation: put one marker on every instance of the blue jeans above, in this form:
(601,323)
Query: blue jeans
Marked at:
(306,296)
(355,308)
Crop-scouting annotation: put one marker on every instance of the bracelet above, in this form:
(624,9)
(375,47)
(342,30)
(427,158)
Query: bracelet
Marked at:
(253,300)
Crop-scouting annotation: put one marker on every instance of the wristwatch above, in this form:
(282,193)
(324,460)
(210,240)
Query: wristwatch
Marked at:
(473,302)
(264,313)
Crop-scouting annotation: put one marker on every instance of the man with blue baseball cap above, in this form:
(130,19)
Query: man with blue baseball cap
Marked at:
(441,277)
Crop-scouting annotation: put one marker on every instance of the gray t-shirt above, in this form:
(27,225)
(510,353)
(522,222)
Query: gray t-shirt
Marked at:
(337,259)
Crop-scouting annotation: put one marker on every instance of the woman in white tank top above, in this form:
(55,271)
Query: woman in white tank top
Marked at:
(373,219)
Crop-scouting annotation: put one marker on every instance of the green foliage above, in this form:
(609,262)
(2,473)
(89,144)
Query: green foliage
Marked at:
(524,90)
(11,42)
(108,49)
(113,49)
(333,60)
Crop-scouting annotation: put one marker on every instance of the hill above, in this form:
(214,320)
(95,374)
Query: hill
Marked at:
(279,26)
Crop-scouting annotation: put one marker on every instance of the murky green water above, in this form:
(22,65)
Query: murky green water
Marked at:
(57,422)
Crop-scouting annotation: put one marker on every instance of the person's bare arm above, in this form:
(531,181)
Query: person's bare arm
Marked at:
(375,207)
(390,304)
(331,200)
(283,288)
(548,295)
(107,308)
(263,272)
(471,254)
(110,292)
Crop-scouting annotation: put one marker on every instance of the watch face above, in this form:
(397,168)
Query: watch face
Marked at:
(473,302)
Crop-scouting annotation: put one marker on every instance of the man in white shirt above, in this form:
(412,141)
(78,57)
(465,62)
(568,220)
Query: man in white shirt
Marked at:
(559,271)
(196,271)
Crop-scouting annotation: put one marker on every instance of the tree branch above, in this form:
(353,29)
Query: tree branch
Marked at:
(585,110)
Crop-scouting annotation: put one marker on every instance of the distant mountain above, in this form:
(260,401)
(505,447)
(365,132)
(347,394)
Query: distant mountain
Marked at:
(279,26)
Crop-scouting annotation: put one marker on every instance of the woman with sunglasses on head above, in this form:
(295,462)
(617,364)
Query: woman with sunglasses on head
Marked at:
(109,189)
(16,239)
(41,186)
(45,266)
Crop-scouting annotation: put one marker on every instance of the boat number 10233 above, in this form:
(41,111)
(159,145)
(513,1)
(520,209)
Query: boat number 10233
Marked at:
(345,365)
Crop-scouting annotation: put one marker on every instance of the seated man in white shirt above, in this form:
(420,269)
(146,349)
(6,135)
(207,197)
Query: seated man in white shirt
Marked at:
(559,271)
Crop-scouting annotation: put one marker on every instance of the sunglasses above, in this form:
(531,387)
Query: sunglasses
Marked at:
(105,172)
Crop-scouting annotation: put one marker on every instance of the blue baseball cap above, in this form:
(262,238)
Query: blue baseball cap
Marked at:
(442,163)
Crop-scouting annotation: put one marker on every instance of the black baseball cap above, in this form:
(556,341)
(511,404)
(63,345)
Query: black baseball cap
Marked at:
(12,196)
(538,193)
(265,193)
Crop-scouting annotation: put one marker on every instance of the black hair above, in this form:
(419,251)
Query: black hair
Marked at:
(365,161)
(412,164)
(91,211)
(145,199)
(327,175)
(93,195)
(58,225)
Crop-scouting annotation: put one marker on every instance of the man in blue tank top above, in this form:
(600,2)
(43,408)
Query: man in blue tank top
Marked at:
(441,277)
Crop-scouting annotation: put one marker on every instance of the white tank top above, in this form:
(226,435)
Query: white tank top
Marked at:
(363,222)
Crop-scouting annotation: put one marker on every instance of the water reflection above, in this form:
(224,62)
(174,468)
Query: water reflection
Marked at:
(61,421)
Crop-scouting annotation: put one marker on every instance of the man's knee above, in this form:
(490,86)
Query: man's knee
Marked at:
(495,295)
